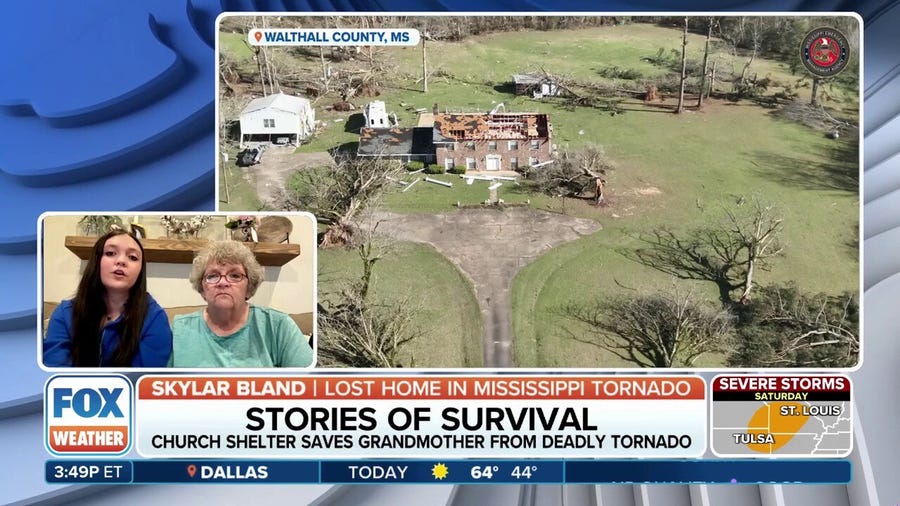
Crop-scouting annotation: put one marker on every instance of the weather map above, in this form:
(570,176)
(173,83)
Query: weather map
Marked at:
(809,416)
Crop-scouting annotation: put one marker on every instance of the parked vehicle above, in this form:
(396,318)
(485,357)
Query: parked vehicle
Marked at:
(250,156)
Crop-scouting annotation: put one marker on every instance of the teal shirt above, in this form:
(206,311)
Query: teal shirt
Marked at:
(270,338)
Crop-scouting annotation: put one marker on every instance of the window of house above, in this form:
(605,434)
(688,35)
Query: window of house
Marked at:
(532,161)
(513,145)
(492,145)
(470,145)
(451,146)
(268,122)
(535,144)
(514,163)
(448,163)
(470,164)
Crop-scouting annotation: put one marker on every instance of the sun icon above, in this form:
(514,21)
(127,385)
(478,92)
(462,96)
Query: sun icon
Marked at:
(440,471)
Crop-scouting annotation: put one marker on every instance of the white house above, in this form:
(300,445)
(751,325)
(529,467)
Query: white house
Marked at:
(268,118)
(376,115)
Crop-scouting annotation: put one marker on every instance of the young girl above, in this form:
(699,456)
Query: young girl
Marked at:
(112,321)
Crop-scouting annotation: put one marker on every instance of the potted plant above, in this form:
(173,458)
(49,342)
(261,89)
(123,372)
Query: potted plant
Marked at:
(96,225)
(243,228)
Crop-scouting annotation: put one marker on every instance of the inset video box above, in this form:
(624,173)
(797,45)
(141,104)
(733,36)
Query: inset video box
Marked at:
(562,192)
(420,417)
(785,416)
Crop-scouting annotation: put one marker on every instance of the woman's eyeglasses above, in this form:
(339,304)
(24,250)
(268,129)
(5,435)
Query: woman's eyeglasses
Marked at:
(232,277)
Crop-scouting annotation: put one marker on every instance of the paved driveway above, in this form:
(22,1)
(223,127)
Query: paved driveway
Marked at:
(489,246)
(278,163)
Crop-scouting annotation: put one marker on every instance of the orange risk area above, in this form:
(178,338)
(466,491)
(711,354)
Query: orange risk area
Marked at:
(780,419)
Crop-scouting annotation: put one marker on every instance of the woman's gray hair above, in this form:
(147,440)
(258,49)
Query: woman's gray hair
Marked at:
(227,252)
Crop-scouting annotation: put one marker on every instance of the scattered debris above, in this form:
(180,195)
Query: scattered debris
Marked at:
(480,178)
(442,183)
(411,184)
(650,190)
(548,162)
(395,180)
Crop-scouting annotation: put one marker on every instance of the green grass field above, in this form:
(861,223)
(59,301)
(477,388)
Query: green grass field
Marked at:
(696,164)
(674,171)
(236,192)
(445,305)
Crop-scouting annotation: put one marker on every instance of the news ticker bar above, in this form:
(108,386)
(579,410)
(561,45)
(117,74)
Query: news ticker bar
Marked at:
(450,471)
(461,417)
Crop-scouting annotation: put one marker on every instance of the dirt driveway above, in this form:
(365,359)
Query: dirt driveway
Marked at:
(489,246)
(277,164)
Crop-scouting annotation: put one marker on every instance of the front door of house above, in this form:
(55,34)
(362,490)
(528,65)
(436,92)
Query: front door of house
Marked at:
(492,162)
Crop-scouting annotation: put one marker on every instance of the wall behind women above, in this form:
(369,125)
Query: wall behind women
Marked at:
(289,288)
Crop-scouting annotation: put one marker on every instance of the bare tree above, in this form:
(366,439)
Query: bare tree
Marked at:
(683,66)
(265,68)
(814,94)
(656,330)
(337,195)
(424,64)
(355,331)
(785,327)
(728,253)
(755,235)
(703,76)
(754,47)
(573,173)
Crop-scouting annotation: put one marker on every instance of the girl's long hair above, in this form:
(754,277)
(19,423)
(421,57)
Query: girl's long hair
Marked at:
(89,309)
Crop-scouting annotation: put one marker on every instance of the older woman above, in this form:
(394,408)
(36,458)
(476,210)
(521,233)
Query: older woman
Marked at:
(112,321)
(231,332)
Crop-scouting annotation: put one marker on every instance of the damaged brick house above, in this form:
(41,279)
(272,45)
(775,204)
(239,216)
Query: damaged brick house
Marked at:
(399,143)
(499,141)
(477,141)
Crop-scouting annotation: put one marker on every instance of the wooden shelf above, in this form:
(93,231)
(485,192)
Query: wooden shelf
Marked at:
(176,251)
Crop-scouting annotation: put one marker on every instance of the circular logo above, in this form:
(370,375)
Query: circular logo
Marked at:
(825,52)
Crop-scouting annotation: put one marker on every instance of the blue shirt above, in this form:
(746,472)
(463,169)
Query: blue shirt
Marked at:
(153,350)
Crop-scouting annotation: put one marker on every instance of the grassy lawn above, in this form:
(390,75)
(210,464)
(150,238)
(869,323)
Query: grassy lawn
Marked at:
(445,305)
(491,59)
(427,197)
(235,45)
(675,171)
(694,166)
(241,191)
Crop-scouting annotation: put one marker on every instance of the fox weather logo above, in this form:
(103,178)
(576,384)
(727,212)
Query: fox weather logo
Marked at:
(87,415)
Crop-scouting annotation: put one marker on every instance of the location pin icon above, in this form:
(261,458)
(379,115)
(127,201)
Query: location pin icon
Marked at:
(257,36)
(192,470)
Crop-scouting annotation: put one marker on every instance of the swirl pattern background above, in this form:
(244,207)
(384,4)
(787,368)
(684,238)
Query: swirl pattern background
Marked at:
(109,105)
